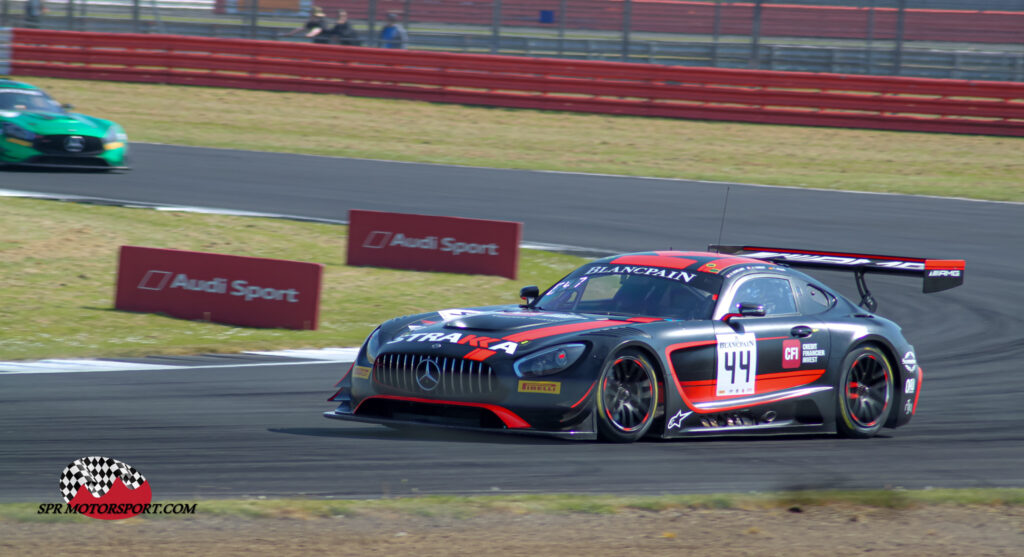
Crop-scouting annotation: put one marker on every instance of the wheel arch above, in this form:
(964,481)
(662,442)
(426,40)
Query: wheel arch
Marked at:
(648,351)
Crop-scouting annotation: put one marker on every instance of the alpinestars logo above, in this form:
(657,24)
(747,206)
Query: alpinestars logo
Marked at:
(104,488)
(676,422)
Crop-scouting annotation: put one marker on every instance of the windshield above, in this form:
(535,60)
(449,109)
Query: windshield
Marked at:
(635,291)
(28,99)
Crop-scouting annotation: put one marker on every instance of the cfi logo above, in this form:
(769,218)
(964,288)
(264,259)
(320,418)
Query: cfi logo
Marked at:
(104,488)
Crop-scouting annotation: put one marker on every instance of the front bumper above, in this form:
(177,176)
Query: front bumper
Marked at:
(461,415)
(567,435)
(18,153)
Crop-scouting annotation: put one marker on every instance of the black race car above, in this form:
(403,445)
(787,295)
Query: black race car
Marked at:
(667,343)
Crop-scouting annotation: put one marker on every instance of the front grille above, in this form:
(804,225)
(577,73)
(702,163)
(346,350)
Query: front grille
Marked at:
(51,160)
(439,377)
(58,144)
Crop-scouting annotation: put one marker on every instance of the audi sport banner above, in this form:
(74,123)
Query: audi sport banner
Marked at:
(248,291)
(430,243)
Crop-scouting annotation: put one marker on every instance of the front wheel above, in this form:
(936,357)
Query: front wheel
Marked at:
(627,397)
(865,393)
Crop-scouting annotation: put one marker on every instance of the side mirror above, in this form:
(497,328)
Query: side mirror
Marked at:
(750,309)
(67,106)
(746,309)
(529,294)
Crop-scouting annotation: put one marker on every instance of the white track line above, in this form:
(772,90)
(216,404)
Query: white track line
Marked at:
(321,356)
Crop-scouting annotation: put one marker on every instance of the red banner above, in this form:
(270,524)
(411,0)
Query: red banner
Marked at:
(430,243)
(247,291)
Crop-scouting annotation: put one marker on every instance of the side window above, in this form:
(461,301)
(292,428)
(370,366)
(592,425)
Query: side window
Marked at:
(814,300)
(775,294)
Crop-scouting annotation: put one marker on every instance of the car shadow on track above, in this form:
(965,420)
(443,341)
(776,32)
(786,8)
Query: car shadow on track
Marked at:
(414,433)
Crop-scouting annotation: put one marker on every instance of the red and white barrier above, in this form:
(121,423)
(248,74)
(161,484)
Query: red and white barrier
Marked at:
(431,243)
(247,291)
(770,97)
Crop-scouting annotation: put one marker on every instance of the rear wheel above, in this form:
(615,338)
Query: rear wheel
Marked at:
(865,393)
(627,397)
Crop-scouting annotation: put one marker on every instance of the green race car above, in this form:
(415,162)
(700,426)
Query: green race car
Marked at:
(39,131)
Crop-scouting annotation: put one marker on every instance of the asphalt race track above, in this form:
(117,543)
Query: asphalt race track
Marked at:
(252,431)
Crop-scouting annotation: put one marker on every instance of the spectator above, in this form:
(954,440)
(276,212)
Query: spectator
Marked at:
(343,33)
(34,10)
(316,27)
(393,35)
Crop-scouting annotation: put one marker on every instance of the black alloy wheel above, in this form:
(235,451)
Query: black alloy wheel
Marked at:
(627,397)
(865,393)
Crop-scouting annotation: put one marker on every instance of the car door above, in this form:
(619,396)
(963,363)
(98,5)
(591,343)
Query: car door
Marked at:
(759,355)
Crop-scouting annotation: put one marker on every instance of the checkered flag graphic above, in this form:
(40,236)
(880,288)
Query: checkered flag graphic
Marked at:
(97,474)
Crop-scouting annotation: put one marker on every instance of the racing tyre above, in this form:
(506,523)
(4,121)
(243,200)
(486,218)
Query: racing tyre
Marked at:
(865,393)
(627,397)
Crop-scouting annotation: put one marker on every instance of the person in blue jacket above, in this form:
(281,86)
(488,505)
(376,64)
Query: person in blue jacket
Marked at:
(393,35)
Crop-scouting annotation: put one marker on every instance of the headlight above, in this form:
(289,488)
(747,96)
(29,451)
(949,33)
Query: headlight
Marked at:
(115,135)
(14,130)
(547,362)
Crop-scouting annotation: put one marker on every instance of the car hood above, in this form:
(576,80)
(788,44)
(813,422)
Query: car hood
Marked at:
(502,330)
(53,123)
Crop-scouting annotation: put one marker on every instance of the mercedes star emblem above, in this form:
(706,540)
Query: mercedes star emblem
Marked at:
(428,374)
(74,144)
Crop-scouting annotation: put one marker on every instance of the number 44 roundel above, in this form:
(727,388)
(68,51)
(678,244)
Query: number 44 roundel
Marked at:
(737,364)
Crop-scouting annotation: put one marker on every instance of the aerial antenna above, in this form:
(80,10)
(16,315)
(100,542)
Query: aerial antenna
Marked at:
(725,207)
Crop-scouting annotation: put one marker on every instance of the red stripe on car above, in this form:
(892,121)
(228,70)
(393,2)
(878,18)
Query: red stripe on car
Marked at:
(508,417)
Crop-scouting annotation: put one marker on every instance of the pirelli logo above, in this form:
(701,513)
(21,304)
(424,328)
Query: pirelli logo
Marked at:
(361,372)
(542,387)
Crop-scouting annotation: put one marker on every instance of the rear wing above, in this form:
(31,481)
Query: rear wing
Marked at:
(938,274)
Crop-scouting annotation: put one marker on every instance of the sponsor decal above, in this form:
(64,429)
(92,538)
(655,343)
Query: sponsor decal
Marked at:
(474,341)
(157,280)
(811,353)
(732,272)
(908,408)
(676,421)
(361,372)
(790,354)
(449,314)
(910,361)
(247,291)
(640,270)
(380,239)
(737,364)
(910,387)
(837,260)
(377,239)
(542,387)
(433,243)
(943,273)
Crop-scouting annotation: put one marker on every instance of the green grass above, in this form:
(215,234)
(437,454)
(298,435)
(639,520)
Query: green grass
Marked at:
(58,265)
(457,507)
(978,167)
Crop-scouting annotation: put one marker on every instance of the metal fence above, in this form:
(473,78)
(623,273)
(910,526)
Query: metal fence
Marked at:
(978,39)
